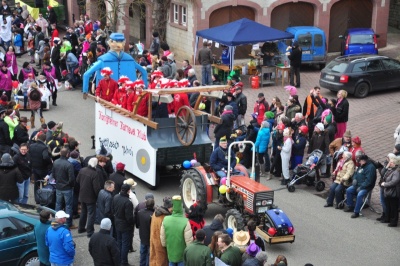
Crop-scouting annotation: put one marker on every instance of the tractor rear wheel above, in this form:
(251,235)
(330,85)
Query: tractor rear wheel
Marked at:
(234,220)
(192,189)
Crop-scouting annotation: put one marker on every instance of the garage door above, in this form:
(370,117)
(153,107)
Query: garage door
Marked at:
(348,14)
(288,15)
(228,14)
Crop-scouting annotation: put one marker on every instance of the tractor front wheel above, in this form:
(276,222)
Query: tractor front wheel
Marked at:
(234,220)
(193,189)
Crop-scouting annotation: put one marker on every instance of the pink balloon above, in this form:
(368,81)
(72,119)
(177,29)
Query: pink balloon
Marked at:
(193,162)
(223,181)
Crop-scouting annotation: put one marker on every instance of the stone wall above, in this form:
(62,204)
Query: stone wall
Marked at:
(394,14)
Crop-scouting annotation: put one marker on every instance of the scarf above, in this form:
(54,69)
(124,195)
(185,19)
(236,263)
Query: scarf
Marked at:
(227,112)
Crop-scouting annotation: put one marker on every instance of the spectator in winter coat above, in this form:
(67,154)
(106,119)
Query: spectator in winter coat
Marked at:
(143,222)
(102,247)
(89,183)
(225,128)
(286,152)
(261,146)
(241,102)
(260,108)
(5,81)
(292,109)
(341,113)
(231,102)
(23,161)
(118,177)
(295,62)
(299,145)
(104,202)
(176,233)
(391,190)
(9,177)
(197,253)
(158,253)
(217,224)
(63,173)
(363,181)
(124,221)
(11,61)
(21,132)
(40,234)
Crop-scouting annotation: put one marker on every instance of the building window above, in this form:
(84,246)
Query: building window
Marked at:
(179,14)
(184,15)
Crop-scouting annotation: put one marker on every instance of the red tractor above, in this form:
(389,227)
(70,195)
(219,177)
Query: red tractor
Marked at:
(246,198)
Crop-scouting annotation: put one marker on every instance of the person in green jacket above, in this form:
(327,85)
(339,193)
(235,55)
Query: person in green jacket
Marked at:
(198,254)
(11,120)
(40,233)
(230,254)
(176,233)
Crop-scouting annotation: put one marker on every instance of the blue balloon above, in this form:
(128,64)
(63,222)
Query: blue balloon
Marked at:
(187,164)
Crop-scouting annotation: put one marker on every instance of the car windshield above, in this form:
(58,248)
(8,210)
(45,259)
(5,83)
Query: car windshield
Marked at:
(337,66)
(361,39)
(7,206)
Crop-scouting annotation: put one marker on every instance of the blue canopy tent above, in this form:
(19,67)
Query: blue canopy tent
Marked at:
(240,32)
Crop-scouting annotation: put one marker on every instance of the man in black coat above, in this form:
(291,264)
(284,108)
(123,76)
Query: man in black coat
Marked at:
(21,131)
(124,221)
(118,177)
(23,161)
(41,160)
(5,140)
(216,225)
(56,56)
(143,222)
(103,247)
(104,202)
(89,182)
(9,177)
(295,63)
(63,173)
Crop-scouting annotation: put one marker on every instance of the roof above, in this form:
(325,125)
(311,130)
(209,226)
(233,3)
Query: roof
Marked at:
(243,31)
(303,28)
(360,31)
(359,57)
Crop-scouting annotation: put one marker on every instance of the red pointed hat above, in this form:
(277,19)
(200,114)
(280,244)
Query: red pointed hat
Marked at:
(106,71)
(183,83)
(156,74)
(138,84)
(123,79)
(129,84)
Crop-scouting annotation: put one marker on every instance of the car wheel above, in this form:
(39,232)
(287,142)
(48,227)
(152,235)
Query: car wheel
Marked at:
(30,260)
(361,90)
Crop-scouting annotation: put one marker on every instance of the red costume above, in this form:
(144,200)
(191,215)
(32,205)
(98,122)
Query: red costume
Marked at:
(120,97)
(133,97)
(106,89)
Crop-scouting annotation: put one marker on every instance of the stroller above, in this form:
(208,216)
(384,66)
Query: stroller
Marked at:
(46,196)
(307,173)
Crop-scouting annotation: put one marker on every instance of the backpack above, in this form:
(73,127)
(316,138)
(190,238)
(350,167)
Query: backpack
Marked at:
(34,95)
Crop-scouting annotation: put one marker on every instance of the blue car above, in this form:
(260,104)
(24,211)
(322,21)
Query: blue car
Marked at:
(17,238)
(359,41)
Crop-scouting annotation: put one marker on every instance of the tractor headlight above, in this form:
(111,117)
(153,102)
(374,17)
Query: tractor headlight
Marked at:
(258,203)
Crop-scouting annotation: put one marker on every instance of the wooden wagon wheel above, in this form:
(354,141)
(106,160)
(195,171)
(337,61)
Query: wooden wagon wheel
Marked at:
(185,125)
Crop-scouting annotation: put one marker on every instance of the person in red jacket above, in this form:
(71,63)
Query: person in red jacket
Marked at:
(181,99)
(137,89)
(107,86)
(120,96)
(54,34)
(260,108)
(155,78)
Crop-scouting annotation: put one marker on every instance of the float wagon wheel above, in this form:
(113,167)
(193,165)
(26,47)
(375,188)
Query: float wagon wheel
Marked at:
(185,125)
(193,188)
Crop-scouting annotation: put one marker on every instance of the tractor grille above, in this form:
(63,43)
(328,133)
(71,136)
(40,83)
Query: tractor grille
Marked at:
(267,195)
(250,200)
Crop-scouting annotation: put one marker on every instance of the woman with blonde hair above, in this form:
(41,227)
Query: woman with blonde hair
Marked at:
(214,245)
(341,113)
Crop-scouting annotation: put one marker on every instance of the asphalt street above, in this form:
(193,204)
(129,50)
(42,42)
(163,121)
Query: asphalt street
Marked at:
(324,236)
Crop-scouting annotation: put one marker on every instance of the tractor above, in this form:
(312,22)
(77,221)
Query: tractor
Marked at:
(245,197)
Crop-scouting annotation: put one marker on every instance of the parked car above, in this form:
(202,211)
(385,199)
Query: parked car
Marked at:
(361,74)
(359,41)
(312,41)
(17,238)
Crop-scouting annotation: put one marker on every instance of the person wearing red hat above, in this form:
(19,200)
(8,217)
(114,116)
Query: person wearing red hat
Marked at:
(355,146)
(118,177)
(120,96)
(137,89)
(155,79)
(107,86)
(181,99)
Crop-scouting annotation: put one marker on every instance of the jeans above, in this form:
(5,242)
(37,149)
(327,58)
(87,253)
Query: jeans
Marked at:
(206,75)
(67,196)
(144,254)
(88,213)
(123,241)
(335,191)
(294,71)
(382,198)
(56,264)
(351,192)
(176,263)
(23,189)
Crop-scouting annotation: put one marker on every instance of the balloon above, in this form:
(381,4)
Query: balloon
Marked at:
(271,231)
(15,84)
(186,164)
(193,162)
(222,189)
(223,181)
(202,106)
(237,160)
